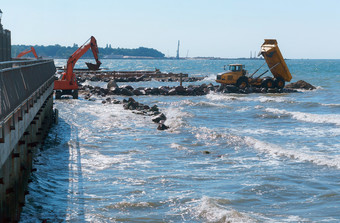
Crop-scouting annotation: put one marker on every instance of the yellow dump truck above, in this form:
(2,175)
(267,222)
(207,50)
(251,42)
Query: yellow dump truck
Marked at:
(238,76)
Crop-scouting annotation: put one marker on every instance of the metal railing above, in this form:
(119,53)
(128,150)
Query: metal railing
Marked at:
(19,80)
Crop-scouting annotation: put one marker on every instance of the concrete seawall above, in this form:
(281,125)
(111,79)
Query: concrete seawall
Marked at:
(26,114)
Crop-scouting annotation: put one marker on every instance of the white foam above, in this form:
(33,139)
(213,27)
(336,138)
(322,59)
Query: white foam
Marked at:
(211,77)
(178,147)
(240,97)
(175,115)
(300,154)
(308,117)
(211,211)
(204,104)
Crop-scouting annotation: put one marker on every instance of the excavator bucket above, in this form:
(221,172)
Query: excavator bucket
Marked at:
(92,66)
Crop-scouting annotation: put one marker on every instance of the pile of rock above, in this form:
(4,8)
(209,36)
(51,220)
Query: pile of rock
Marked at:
(300,85)
(106,78)
(191,90)
(141,109)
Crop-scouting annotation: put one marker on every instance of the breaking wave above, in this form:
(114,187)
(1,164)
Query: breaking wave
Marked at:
(308,117)
(301,154)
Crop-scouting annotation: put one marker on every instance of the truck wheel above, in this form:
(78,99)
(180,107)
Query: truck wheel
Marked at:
(242,83)
(279,83)
(267,83)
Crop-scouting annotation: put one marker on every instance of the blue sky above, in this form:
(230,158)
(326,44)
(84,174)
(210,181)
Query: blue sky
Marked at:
(219,28)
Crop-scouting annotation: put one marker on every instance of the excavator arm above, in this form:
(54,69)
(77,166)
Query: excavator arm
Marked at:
(68,81)
(28,51)
(90,43)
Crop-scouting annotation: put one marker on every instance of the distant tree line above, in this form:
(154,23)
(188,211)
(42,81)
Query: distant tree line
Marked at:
(57,51)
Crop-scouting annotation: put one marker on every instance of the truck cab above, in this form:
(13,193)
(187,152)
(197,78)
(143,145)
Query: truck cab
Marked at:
(235,73)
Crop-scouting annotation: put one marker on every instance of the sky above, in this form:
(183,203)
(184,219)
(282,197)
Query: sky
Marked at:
(308,29)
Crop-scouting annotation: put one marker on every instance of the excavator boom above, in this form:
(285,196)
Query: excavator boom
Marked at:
(23,53)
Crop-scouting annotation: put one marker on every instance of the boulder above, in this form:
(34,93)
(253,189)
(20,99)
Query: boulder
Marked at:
(172,91)
(127,87)
(163,90)
(159,118)
(137,92)
(112,84)
(115,101)
(161,126)
(126,92)
(300,85)
(94,78)
(154,108)
(154,91)
(180,90)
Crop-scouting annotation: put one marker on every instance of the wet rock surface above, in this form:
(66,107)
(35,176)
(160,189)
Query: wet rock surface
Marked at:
(82,77)
(300,85)
(191,90)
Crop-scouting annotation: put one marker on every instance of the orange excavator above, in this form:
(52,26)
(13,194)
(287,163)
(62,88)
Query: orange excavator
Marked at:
(28,51)
(67,84)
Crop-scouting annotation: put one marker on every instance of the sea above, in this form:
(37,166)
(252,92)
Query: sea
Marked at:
(225,158)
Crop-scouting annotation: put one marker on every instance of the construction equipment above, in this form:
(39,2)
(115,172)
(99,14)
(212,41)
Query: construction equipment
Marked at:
(27,52)
(238,76)
(67,84)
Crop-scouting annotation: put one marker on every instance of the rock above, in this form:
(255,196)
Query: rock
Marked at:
(131,79)
(115,101)
(127,87)
(154,108)
(161,126)
(301,85)
(112,85)
(231,88)
(180,90)
(172,91)
(94,78)
(126,92)
(141,78)
(154,91)
(159,118)
(137,92)
(163,90)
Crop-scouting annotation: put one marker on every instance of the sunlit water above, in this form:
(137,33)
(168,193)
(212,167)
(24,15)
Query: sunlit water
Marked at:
(226,157)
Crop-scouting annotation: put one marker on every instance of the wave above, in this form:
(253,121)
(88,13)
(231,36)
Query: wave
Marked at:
(215,210)
(211,77)
(203,104)
(306,155)
(308,117)
(211,137)
(331,105)
(175,115)
(240,97)
(133,205)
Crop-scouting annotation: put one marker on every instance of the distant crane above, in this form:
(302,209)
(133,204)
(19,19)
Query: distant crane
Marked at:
(177,57)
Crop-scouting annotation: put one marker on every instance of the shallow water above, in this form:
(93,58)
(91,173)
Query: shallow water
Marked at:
(226,157)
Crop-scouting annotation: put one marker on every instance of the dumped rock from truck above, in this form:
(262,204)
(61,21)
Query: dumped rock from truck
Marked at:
(300,85)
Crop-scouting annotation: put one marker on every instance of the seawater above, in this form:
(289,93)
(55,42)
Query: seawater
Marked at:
(225,158)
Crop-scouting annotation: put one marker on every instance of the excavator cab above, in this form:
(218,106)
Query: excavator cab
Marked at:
(235,75)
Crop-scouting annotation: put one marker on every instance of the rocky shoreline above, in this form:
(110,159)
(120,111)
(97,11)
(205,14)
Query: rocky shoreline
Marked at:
(190,90)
